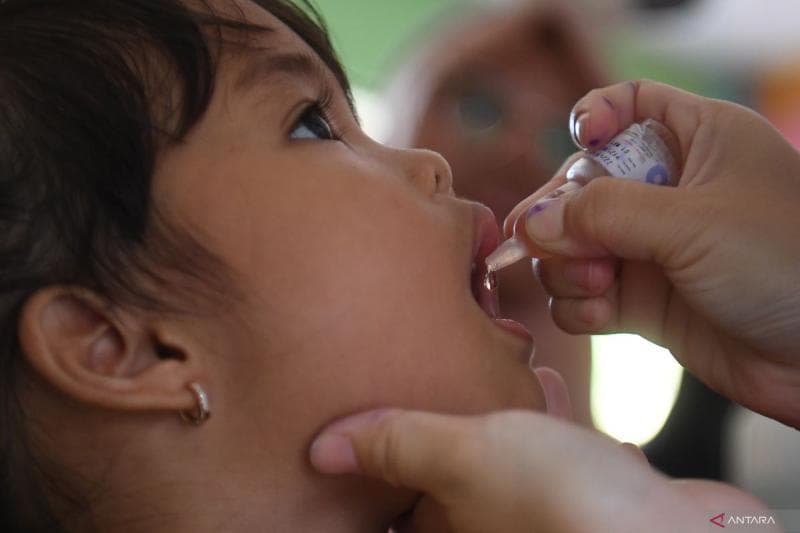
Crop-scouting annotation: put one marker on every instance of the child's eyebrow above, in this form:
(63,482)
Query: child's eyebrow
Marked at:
(263,67)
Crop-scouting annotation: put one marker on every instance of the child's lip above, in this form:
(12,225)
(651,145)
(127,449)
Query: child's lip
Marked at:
(512,326)
(486,232)
(486,238)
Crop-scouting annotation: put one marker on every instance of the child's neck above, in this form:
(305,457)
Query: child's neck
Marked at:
(328,506)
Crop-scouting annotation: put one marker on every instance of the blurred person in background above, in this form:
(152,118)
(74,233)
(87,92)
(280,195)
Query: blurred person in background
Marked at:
(490,88)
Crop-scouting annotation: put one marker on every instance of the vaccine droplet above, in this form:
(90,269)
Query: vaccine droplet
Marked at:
(490,281)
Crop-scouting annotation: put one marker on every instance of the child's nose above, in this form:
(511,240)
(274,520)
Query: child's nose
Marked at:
(429,172)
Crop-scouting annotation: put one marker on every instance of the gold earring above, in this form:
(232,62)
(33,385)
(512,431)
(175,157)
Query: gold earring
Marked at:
(201,412)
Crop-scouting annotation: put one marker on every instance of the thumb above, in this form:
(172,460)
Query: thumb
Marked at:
(408,449)
(626,219)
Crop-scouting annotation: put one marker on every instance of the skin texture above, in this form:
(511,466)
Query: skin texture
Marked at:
(352,262)
(518,471)
(530,61)
(726,307)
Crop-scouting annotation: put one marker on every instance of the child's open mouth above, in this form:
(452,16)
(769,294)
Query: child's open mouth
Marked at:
(486,238)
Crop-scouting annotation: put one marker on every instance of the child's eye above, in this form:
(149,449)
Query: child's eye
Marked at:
(312,124)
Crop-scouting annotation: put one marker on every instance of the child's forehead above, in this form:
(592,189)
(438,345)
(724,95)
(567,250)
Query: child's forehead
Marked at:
(280,51)
(262,66)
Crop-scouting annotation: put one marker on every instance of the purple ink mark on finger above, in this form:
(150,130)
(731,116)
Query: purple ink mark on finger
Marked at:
(594,142)
(610,103)
(537,208)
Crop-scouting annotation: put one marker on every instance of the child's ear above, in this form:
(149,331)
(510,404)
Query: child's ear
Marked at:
(105,356)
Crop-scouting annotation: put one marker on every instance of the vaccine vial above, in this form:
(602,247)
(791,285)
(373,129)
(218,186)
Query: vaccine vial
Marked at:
(643,152)
(646,152)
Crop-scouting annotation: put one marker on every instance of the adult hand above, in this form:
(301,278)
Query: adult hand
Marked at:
(709,269)
(517,471)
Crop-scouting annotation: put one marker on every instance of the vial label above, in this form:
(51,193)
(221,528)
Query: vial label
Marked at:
(638,154)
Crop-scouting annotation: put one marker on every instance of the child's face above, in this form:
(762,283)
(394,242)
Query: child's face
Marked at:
(354,265)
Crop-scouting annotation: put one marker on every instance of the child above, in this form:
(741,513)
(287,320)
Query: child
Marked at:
(192,221)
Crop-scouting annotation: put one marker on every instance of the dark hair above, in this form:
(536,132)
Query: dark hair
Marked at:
(86,105)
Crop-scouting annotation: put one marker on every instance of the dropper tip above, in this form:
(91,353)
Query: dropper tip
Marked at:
(506,254)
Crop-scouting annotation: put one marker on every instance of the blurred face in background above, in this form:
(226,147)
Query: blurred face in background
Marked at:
(500,93)
(501,124)
(492,94)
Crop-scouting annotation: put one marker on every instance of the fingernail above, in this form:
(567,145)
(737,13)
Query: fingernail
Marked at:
(556,394)
(334,454)
(577,125)
(552,399)
(543,221)
(531,357)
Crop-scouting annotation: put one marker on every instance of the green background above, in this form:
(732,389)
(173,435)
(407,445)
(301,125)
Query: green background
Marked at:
(370,34)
